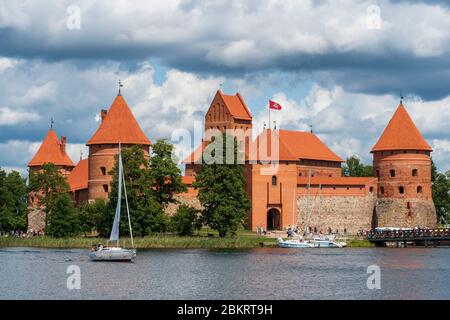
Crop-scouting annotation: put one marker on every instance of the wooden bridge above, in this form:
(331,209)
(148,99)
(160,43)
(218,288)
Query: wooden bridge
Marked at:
(415,237)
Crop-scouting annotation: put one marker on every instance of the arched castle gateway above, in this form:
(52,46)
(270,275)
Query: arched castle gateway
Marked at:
(307,187)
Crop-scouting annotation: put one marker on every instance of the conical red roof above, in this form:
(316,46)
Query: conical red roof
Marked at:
(119,125)
(401,134)
(51,151)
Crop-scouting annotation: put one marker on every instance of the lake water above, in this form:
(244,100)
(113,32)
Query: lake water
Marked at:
(406,273)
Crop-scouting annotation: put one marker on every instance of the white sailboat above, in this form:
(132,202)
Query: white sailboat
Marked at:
(111,253)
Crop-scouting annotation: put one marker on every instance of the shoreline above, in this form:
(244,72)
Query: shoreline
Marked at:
(161,242)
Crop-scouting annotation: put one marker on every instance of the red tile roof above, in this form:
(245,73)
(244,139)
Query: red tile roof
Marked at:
(293,145)
(236,105)
(119,125)
(401,134)
(51,151)
(343,181)
(78,178)
(189,180)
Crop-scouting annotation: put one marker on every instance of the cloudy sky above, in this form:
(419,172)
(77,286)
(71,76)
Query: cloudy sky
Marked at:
(339,66)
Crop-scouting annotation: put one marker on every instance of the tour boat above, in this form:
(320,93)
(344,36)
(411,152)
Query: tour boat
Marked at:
(294,243)
(326,243)
(315,243)
(111,253)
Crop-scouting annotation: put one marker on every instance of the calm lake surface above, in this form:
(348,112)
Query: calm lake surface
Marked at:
(406,273)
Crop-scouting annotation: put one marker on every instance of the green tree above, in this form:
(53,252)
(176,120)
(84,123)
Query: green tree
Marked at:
(186,220)
(353,167)
(222,189)
(13,201)
(434,171)
(165,174)
(62,221)
(441,196)
(92,216)
(146,213)
(48,184)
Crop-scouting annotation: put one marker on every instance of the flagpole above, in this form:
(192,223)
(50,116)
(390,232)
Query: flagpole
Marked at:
(269,114)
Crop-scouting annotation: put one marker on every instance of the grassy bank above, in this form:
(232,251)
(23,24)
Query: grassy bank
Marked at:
(241,241)
(149,242)
(357,243)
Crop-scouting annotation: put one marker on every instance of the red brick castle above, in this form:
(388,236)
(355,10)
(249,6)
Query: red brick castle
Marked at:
(304,187)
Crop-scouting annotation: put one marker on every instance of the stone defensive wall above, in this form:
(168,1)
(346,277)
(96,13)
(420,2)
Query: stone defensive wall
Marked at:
(338,212)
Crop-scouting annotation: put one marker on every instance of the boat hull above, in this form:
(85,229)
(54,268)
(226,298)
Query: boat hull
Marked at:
(294,244)
(113,254)
(310,244)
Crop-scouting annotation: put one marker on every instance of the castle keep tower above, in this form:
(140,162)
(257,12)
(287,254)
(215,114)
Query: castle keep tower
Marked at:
(226,112)
(118,126)
(402,164)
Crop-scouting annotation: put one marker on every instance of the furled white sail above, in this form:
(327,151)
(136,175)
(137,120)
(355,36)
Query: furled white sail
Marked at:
(115,228)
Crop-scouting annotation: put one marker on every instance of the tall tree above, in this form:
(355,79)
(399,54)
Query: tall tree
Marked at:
(353,167)
(441,196)
(92,216)
(147,214)
(165,174)
(222,189)
(62,220)
(13,201)
(48,184)
(186,220)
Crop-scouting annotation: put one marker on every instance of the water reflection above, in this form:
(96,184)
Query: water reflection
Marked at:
(406,273)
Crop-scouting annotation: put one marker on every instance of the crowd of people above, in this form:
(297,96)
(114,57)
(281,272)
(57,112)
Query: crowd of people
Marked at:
(22,234)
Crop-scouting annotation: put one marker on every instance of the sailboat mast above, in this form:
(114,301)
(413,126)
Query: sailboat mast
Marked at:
(308,203)
(128,209)
(318,216)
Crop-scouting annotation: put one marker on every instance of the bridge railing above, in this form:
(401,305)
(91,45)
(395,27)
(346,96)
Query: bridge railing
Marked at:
(415,234)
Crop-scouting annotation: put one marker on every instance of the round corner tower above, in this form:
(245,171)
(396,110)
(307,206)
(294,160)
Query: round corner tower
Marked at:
(402,164)
(52,150)
(118,126)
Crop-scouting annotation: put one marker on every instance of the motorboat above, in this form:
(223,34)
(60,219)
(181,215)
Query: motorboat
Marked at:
(326,243)
(315,243)
(294,243)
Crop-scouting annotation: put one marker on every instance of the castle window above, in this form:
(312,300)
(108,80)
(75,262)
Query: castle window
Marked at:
(414,172)
(105,187)
(300,174)
(401,190)
(392,173)
(329,175)
(274,180)
(378,173)
(371,189)
(382,190)
(408,205)
(103,169)
(419,189)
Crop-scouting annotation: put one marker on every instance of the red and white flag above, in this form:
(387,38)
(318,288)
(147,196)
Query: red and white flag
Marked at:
(274,105)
